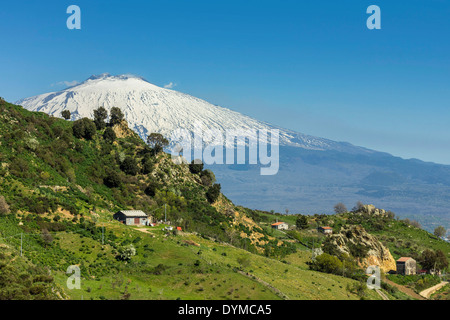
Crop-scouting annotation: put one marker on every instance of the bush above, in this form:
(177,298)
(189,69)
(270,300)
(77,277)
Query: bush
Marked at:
(84,128)
(126,253)
(112,180)
(326,263)
(301,222)
(213,193)
(109,135)
(65,114)
(151,189)
(207,177)
(129,166)
(196,166)
(358,250)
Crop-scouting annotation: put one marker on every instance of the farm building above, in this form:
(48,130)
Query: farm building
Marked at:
(406,266)
(133,217)
(280,226)
(326,230)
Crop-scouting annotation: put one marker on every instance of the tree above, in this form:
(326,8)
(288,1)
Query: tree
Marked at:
(157,142)
(65,114)
(115,116)
(431,260)
(340,208)
(207,177)
(196,166)
(301,222)
(427,259)
(416,224)
(147,165)
(213,193)
(327,263)
(84,128)
(47,237)
(390,214)
(129,166)
(440,231)
(100,116)
(109,135)
(441,260)
(4,207)
(358,207)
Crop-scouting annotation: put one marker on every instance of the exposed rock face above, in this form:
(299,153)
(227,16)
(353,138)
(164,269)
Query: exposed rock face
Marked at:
(371,210)
(377,254)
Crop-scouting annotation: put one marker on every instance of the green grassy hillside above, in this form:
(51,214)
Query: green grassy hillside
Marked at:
(61,182)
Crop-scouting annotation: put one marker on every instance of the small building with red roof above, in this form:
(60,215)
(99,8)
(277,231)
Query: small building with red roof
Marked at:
(280,225)
(326,230)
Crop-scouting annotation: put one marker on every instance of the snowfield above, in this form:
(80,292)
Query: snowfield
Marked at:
(149,108)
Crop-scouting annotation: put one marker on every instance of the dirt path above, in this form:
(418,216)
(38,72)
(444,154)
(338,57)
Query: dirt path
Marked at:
(144,231)
(405,290)
(428,292)
(382,295)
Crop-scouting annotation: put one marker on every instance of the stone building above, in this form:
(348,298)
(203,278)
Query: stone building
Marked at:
(406,266)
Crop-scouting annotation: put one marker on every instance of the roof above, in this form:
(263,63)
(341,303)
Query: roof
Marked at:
(133,213)
(278,223)
(404,259)
(327,228)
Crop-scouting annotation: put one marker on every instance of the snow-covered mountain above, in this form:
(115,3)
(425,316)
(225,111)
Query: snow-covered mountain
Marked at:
(149,108)
(314,173)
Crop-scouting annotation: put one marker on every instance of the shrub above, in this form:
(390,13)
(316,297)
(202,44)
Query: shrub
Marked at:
(109,135)
(126,253)
(207,177)
(196,166)
(326,263)
(151,189)
(213,193)
(65,114)
(301,222)
(129,166)
(112,180)
(84,128)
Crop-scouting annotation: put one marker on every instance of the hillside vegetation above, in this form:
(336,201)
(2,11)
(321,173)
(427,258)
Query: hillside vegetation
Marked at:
(62,181)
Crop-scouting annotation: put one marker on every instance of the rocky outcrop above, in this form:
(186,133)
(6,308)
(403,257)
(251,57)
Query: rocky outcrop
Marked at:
(352,236)
(371,210)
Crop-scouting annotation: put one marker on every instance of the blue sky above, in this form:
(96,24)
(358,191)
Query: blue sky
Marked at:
(310,66)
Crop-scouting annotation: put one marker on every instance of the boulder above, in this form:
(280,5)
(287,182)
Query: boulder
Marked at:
(377,253)
(371,210)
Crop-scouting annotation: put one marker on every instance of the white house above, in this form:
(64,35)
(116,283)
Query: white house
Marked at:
(280,226)
(132,217)
(326,230)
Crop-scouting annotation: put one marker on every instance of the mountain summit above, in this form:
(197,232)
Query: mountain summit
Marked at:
(149,108)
